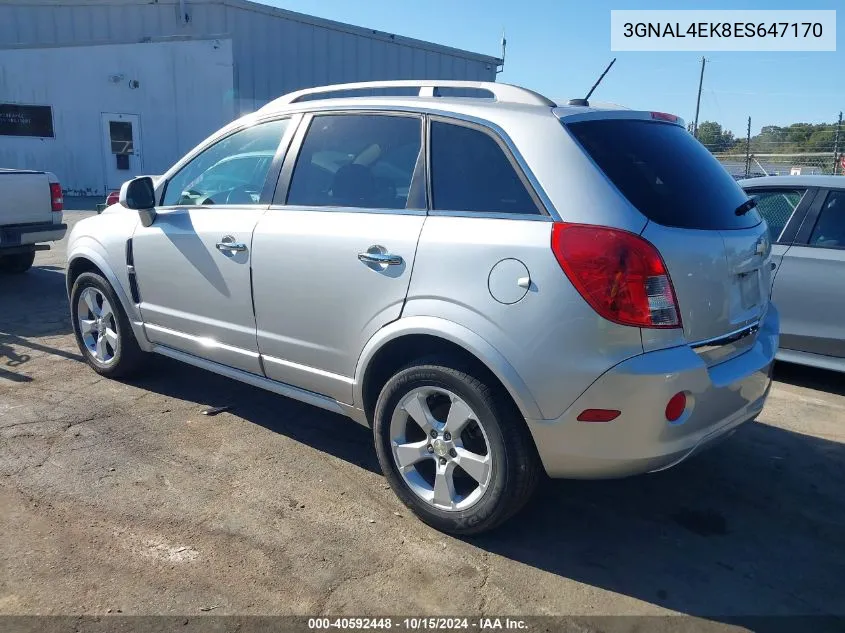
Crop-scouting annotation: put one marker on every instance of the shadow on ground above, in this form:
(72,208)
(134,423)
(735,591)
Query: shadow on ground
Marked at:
(325,431)
(810,378)
(32,305)
(755,526)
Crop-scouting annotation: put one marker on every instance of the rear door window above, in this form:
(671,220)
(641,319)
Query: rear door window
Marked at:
(357,160)
(665,173)
(829,231)
(471,172)
(777,206)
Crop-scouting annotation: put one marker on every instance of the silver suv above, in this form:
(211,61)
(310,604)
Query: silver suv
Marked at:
(499,286)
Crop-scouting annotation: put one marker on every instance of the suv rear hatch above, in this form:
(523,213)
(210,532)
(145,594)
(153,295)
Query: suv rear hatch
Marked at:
(714,245)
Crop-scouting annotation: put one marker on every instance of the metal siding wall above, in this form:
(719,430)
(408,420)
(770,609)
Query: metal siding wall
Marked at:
(7,25)
(81,25)
(239,25)
(304,60)
(332,42)
(287,57)
(74,81)
(99,23)
(276,66)
(26,23)
(272,54)
(269,56)
(61,16)
(319,66)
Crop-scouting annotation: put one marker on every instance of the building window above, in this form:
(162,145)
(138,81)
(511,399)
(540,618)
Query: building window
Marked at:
(120,134)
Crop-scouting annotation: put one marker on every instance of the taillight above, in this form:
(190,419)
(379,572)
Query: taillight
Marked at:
(665,116)
(620,275)
(112,198)
(57,201)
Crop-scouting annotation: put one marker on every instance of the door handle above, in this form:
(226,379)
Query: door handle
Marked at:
(388,259)
(228,243)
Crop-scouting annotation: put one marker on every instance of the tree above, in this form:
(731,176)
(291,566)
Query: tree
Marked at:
(794,139)
(714,138)
(797,138)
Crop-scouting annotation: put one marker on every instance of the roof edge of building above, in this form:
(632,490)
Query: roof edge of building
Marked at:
(250,5)
(157,39)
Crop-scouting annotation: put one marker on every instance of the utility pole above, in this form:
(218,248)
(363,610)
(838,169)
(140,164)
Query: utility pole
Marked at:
(836,146)
(748,149)
(698,101)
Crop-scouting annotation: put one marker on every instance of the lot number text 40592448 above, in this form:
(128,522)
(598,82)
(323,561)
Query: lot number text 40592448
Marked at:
(419,623)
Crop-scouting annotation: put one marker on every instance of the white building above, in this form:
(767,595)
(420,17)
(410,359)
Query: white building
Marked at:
(98,91)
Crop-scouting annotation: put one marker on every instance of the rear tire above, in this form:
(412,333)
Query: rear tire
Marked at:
(17,263)
(102,329)
(466,484)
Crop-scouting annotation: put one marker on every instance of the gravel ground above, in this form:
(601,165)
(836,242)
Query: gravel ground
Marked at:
(121,496)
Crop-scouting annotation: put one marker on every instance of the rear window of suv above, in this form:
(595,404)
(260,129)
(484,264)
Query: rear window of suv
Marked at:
(665,173)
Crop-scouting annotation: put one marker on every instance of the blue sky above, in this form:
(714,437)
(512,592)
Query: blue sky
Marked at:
(559,47)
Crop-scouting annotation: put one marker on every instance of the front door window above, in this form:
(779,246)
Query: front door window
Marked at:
(232,171)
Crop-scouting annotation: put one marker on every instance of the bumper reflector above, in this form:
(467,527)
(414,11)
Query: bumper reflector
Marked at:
(676,406)
(598,415)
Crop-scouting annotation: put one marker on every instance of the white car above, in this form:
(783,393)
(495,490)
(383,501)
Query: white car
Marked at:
(806,219)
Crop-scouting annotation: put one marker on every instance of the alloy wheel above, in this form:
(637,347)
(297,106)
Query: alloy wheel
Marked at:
(440,448)
(97,325)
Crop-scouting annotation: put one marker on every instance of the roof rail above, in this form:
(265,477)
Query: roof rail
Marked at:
(427,88)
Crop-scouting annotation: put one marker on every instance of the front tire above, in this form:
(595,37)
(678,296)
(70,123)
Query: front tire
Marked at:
(102,329)
(18,263)
(454,449)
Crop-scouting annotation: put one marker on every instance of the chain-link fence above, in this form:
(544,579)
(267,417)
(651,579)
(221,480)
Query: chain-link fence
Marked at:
(755,165)
(798,149)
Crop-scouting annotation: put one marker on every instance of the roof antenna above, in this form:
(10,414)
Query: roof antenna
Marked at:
(584,102)
(501,66)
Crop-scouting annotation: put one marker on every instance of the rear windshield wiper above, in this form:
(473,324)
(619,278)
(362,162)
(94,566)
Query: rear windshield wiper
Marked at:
(746,206)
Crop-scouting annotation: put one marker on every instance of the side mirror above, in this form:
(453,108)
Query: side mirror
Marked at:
(139,194)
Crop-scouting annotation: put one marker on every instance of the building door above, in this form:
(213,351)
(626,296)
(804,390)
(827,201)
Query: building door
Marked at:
(121,149)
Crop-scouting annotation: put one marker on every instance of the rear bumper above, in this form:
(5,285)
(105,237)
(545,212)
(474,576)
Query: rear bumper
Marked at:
(720,398)
(14,236)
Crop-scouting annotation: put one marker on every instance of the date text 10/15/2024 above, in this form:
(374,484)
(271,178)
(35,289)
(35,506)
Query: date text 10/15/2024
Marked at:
(419,623)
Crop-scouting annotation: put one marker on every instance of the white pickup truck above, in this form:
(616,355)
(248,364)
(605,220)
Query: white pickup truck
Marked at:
(31,206)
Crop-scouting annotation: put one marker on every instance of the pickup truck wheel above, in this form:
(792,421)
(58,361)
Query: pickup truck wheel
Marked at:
(102,330)
(452,448)
(17,263)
